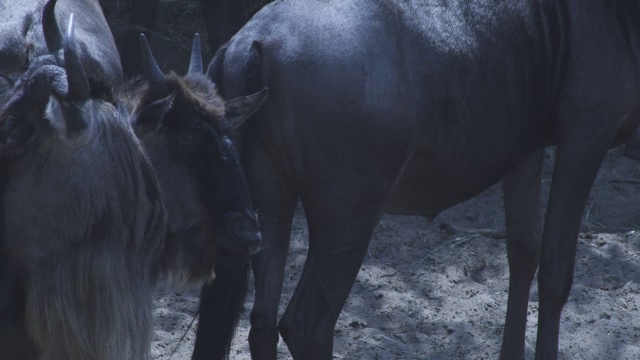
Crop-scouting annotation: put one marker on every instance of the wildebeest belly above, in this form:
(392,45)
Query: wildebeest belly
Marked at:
(429,186)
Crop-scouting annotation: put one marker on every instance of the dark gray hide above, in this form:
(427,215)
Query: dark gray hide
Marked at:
(411,107)
(22,39)
(82,219)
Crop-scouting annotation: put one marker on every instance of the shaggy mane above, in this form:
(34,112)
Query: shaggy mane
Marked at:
(195,91)
(199,93)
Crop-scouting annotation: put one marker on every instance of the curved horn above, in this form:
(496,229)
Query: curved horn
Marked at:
(76,78)
(195,65)
(157,84)
(52,34)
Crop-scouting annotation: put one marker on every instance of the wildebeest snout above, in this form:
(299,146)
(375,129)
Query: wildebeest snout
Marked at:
(243,232)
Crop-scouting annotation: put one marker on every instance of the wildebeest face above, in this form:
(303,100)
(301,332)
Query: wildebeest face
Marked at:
(183,123)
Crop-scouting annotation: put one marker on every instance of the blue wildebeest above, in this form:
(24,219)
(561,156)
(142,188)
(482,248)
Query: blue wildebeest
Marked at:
(184,126)
(410,107)
(99,329)
(83,221)
(22,45)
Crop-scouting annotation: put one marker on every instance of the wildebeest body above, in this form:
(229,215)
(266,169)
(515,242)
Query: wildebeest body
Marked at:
(83,221)
(431,93)
(411,107)
(88,263)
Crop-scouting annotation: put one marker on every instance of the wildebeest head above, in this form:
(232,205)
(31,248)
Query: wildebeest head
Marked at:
(73,162)
(186,127)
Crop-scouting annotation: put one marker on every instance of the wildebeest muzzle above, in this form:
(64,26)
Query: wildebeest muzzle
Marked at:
(240,233)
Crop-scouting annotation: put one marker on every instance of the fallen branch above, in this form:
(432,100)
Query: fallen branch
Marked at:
(459,230)
(625,181)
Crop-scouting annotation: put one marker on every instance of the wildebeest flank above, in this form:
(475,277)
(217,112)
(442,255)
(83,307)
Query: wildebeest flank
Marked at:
(411,107)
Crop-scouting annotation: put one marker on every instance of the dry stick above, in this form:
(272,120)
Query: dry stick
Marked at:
(175,349)
(625,181)
(457,230)
(610,230)
(454,242)
(409,354)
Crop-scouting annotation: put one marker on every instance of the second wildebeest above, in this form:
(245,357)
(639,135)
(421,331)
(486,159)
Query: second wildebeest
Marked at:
(185,128)
(410,107)
(83,220)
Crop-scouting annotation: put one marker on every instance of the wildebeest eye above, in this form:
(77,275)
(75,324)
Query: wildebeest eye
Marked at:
(192,134)
(188,137)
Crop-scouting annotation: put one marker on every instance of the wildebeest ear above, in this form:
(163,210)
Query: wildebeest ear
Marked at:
(240,109)
(150,117)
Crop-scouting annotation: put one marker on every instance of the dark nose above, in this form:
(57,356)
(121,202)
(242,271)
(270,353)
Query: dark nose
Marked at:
(244,229)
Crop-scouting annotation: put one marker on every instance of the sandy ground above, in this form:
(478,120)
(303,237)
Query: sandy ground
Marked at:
(423,294)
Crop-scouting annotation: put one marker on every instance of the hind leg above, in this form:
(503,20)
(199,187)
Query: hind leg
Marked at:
(342,215)
(577,162)
(524,233)
(332,265)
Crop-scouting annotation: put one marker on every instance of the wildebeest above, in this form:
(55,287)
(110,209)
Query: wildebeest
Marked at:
(184,126)
(410,107)
(200,176)
(22,45)
(83,220)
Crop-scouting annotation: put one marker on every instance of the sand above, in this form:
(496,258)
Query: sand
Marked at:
(423,294)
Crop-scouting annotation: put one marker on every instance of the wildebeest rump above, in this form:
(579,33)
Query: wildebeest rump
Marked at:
(83,220)
(410,107)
